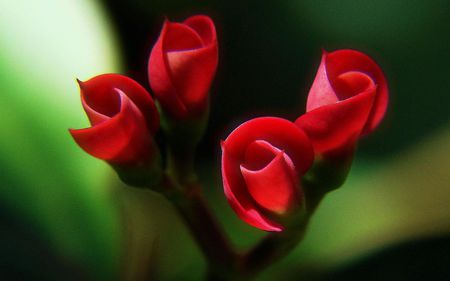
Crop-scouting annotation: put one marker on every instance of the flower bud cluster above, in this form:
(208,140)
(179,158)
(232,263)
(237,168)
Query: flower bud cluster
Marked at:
(270,165)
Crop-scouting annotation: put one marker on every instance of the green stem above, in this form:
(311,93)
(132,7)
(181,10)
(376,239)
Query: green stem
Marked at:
(277,245)
(181,163)
(269,250)
(182,188)
(204,228)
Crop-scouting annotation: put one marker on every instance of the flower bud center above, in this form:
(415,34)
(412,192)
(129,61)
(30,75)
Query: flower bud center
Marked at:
(180,37)
(270,176)
(351,83)
(104,101)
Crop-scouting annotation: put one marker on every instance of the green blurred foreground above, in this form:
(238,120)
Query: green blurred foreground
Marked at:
(64,216)
(56,194)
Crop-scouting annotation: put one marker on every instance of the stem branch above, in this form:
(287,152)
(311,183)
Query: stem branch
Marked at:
(192,207)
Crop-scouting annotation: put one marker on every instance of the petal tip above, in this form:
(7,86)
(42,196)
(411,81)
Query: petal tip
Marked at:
(80,83)
(166,19)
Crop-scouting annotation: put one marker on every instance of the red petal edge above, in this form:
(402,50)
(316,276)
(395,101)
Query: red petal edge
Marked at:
(335,126)
(101,102)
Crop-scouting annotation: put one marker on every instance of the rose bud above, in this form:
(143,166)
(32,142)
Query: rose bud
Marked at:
(348,99)
(182,66)
(124,119)
(263,161)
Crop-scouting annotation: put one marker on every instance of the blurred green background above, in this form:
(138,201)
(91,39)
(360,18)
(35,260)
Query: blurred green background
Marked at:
(64,215)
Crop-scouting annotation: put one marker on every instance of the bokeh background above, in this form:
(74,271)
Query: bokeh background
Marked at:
(65,216)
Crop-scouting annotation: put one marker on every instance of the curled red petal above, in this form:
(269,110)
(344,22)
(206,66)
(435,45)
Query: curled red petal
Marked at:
(161,81)
(342,61)
(193,72)
(179,37)
(101,102)
(352,83)
(321,92)
(281,134)
(122,139)
(204,26)
(259,154)
(274,187)
(239,200)
(338,125)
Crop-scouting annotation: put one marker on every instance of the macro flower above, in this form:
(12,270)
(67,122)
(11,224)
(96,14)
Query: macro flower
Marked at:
(348,99)
(182,66)
(124,119)
(263,161)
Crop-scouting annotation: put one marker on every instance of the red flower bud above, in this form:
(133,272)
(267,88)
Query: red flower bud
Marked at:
(263,161)
(348,99)
(123,118)
(182,66)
